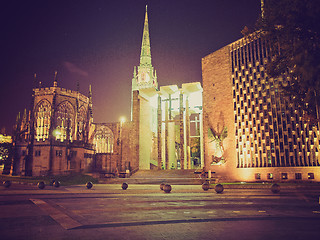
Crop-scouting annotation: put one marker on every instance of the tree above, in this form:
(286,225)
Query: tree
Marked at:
(293,31)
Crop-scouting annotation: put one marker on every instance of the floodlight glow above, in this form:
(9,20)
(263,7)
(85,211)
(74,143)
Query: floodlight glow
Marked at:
(56,133)
(122,120)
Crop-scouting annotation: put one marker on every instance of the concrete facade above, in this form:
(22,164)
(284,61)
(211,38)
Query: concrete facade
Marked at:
(163,115)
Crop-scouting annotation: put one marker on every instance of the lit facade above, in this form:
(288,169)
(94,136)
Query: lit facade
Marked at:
(54,136)
(168,119)
(58,135)
(252,133)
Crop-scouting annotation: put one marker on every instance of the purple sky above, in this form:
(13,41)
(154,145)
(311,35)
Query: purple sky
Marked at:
(98,43)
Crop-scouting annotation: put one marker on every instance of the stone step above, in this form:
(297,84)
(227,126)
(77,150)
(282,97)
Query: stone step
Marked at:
(175,181)
(178,177)
(165,173)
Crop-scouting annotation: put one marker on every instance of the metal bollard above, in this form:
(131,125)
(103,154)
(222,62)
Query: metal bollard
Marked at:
(205,186)
(167,188)
(52,182)
(56,184)
(7,184)
(124,186)
(89,185)
(41,185)
(219,188)
(275,188)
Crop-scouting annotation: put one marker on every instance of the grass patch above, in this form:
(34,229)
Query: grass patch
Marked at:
(65,180)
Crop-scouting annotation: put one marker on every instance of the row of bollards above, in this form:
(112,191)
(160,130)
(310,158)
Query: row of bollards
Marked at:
(40,185)
(218,188)
(53,183)
(275,188)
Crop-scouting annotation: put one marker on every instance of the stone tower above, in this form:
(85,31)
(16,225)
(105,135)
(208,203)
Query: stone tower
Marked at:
(143,111)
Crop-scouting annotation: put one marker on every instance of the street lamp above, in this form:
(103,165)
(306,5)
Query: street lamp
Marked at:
(56,133)
(122,120)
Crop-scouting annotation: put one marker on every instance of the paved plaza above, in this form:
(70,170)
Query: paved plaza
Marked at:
(145,212)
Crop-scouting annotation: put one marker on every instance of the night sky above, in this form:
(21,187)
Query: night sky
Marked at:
(98,43)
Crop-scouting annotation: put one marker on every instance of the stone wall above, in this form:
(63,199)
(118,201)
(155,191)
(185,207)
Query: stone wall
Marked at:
(218,110)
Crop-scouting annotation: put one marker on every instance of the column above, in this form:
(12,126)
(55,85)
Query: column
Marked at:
(201,139)
(159,132)
(181,122)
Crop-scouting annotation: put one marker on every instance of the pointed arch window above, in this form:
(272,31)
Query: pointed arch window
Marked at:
(65,121)
(42,120)
(81,124)
(103,140)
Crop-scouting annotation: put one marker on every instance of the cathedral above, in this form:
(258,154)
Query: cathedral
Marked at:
(238,126)
(59,136)
(253,132)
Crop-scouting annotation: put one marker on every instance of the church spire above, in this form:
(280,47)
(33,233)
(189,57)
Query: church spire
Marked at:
(145,57)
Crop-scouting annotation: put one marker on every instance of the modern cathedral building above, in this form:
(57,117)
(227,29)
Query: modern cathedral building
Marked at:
(238,126)
(254,134)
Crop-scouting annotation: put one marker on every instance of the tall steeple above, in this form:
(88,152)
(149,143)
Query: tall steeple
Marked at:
(145,57)
(144,77)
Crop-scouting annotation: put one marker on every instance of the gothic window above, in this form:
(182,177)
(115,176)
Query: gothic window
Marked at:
(103,140)
(64,121)
(81,121)
(42,120)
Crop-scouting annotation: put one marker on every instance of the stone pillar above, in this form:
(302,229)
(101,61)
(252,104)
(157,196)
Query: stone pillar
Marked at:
(201,140)
(185,145)
(166,136)
(181,131)
(187,125)
(145,135)
(135,130)
(171,145)
(159,132)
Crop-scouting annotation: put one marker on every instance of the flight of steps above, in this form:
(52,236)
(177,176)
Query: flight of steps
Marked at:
(177,177)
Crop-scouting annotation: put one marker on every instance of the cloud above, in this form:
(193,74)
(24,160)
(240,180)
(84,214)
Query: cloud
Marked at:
(74,69)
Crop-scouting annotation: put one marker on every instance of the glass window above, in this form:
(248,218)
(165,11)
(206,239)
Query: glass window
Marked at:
(298,176)
(257,176)
(59,153)
(310,175)
(284,176)
(37,153)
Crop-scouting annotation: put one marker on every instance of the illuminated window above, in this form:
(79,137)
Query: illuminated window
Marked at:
(103,140)
(59,153)
(65,121)
(270,175)
(284,176)
(257,176)
(42,120)
(81,123)
(310,175)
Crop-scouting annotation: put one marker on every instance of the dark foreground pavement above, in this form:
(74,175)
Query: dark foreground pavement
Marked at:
(146,212)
